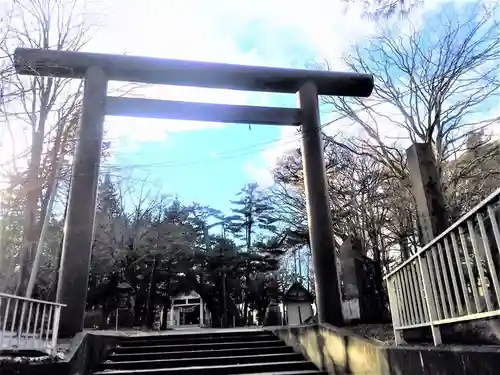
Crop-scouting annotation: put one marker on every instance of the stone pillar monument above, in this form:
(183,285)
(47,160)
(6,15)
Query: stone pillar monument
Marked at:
(349,275)
(426,186)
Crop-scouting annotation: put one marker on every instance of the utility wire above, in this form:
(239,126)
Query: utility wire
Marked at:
(226,156)
(231,155)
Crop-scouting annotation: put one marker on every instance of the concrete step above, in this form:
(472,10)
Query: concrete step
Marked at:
(201,353)
(200,333)
(205,362)
(301,372)
(200,339)
(232,369)
(188,347)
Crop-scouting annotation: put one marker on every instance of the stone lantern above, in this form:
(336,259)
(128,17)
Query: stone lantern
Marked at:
(124,311)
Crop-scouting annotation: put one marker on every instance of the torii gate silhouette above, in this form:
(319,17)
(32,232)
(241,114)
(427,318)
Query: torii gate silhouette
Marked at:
(98,69)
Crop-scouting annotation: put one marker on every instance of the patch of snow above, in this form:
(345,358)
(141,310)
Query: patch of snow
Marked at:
(59,355)
(11,341)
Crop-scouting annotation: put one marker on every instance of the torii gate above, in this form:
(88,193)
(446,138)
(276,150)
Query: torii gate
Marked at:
(98,69)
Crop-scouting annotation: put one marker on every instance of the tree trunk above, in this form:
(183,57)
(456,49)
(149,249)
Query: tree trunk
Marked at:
(30,220)
(245,304)
(380,302)
(150,306)
(224,296)
(43,89)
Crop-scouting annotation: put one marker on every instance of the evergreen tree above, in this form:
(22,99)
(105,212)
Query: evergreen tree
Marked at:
(109,223)
(251,215)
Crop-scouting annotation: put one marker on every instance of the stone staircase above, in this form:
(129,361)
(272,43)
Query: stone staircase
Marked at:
(223,353)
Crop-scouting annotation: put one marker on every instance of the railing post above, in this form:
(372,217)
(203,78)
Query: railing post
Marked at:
(429,298)
(20,328)
(394,306)
(55,329)
(13,323)
(4,318)
(116,320)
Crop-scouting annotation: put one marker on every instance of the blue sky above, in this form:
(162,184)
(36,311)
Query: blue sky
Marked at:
(207,162)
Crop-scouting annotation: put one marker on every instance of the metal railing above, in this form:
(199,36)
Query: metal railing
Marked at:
(27,323)
(452,279)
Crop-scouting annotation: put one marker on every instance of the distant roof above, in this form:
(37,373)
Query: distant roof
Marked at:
(297,293)
(124,286)
(191,294)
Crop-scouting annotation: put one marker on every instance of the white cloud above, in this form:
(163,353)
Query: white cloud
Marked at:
(260,168)
(211,32)
(281,33)
(330,38)
(328,30)
(128,132)
(214,31)
(192,31)
(256,174)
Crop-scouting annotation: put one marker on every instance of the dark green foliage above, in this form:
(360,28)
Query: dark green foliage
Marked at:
(163,248)
(251,215)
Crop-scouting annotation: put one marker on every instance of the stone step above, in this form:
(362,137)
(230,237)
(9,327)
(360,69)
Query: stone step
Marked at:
(201,346)
(200,333)
(200,339)
(204,361)
(232,369)
(201,353)
(300,372)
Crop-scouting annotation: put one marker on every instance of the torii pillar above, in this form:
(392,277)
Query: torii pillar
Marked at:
(98,69)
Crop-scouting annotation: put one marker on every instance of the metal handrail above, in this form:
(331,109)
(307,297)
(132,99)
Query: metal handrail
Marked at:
(5,295)
(454,278)
(452,227)
(28,323)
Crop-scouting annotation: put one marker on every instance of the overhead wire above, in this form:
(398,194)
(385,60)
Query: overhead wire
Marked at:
(232,154)
(114,170)
(229,155)
(225,155)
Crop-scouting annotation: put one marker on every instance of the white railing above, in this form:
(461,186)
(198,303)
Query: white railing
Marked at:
(452,279)
(27,323)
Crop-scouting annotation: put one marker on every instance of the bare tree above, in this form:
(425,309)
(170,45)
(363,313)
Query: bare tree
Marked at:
(434,83)
(45,110)
(376,9)
(365,201)
(6,73)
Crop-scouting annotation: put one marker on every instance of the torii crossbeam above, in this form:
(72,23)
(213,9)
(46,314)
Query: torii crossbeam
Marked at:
(98,69)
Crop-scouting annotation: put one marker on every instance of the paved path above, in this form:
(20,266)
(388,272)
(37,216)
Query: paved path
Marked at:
(177,331)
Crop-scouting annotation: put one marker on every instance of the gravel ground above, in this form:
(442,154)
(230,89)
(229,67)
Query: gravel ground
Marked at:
(471,333)
(379,332)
